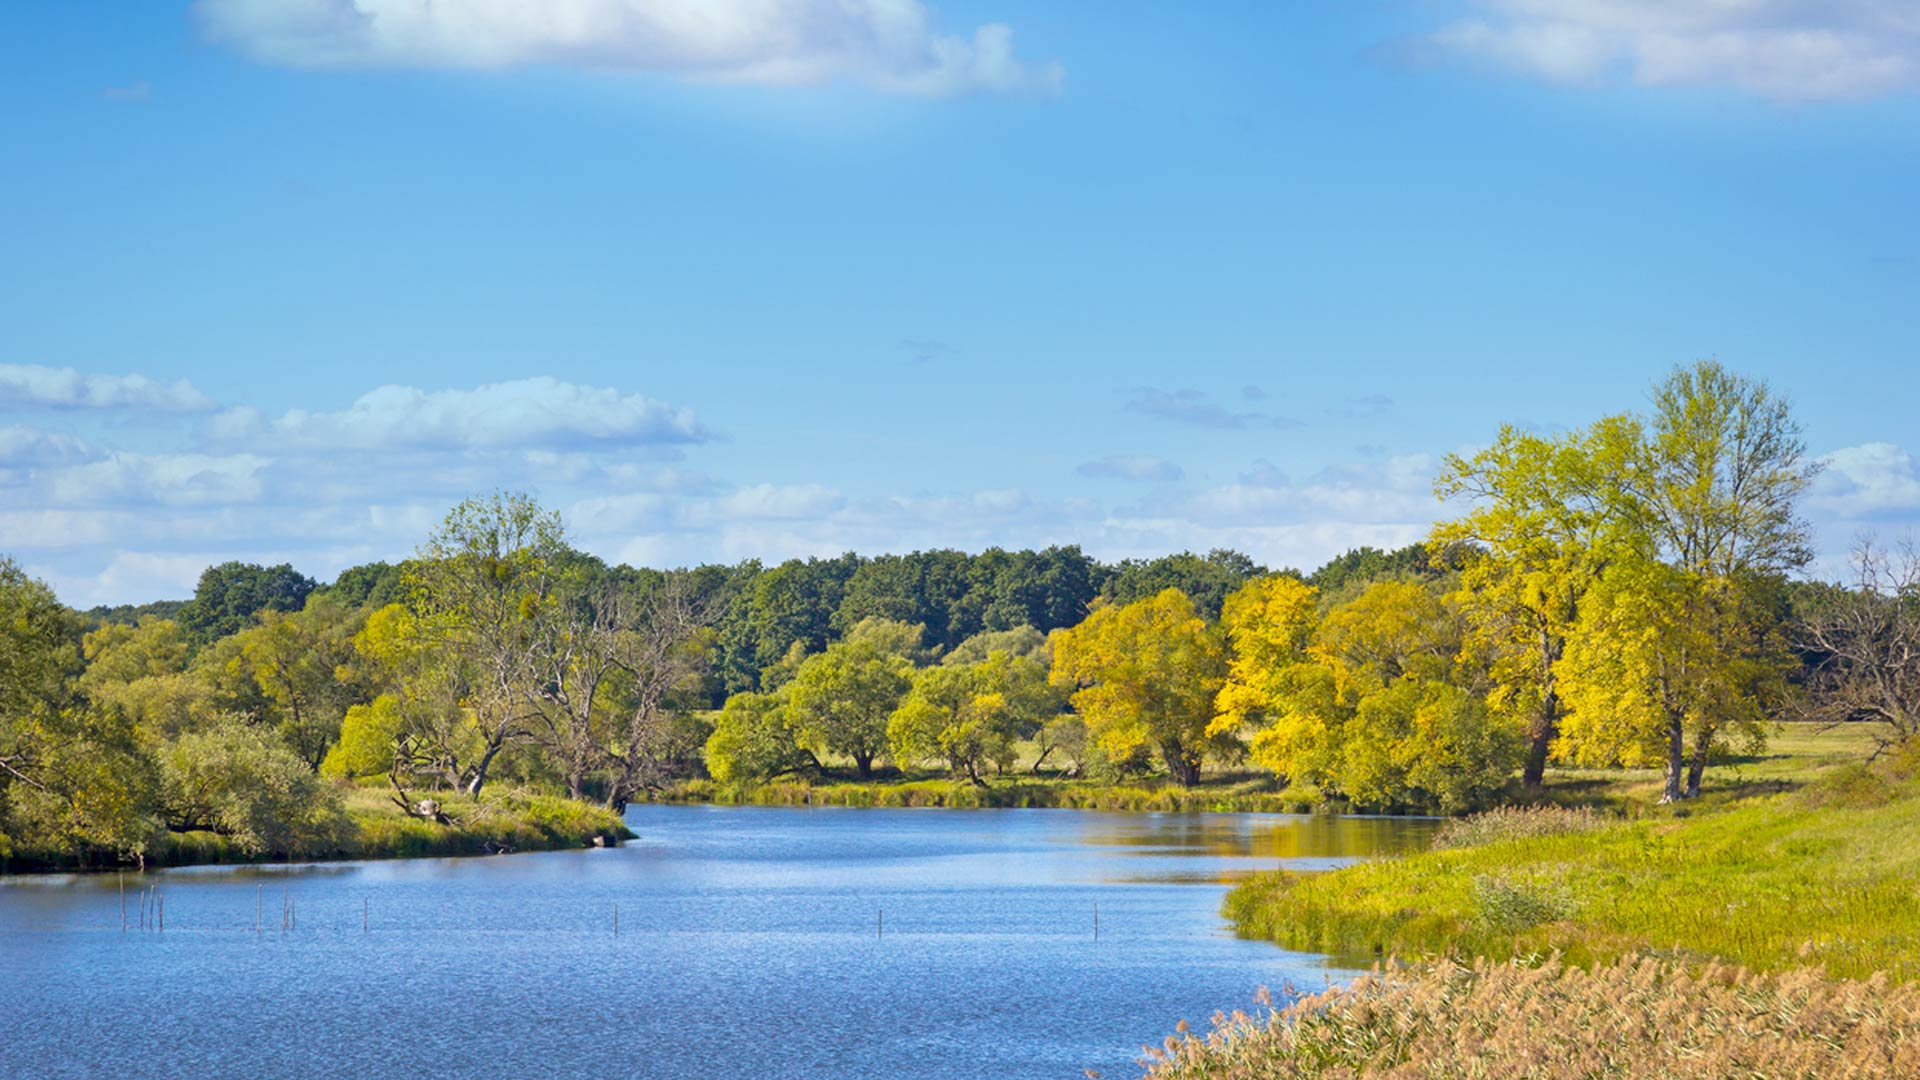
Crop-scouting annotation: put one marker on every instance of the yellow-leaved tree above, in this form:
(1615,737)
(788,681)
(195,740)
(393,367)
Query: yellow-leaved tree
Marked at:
(1146,674)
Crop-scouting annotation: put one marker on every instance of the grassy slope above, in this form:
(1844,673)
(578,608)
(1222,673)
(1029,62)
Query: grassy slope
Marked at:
(1790,859)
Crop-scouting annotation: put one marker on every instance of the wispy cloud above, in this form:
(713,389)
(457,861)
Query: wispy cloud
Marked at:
(1131,467)
(1787,50)
(132,93)
(33,386)
(1198,409)
(537,412)
(894,46)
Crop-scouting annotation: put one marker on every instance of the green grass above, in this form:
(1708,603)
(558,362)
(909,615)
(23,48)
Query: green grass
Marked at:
(1807,859)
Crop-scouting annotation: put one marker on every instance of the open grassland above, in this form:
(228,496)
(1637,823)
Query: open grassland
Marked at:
(1818,864)
(1643,1018)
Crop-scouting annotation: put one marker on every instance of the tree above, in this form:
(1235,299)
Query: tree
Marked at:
(1022,640)
(231,594)
(70,774)
(1368,701)
(1146,673)
(1545,519)
(1717,497)
(972,714)
(1205,580)
(246,784)
(303,664)
(842,698)
(483,587)
(1865,644)
(753,739)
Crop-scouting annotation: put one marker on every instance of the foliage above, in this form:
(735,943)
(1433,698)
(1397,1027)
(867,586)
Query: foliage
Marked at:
(970,715)
(1637,1017)
(1145,674)
(246,784)
(753,739)
(230,594)
(840,700)
(1206,580)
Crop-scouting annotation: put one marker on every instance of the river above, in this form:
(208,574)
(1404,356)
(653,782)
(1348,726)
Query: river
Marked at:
(753,943)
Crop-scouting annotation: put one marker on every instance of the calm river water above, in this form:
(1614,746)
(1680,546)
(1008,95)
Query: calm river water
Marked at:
(753,944)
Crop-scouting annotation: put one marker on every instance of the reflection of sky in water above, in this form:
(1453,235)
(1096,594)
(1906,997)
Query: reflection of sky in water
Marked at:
(748,947)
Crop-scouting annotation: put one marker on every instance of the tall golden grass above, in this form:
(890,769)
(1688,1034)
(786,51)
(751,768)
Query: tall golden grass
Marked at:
(1639,1017)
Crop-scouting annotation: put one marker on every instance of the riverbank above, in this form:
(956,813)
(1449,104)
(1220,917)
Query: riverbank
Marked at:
(502,820)
(1772,928)
(1237,795)
(1815,862)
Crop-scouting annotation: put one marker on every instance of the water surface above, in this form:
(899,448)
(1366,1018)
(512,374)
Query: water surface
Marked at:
(752,943)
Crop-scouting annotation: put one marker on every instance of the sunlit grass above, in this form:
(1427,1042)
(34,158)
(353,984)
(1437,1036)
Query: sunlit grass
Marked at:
(1638,1017)
(1825,870)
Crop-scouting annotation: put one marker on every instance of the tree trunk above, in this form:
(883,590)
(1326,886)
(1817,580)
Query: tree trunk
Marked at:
(1186,773)
(864,762)
(1546,725)
(1676,760)
(480,771)
(1698,768)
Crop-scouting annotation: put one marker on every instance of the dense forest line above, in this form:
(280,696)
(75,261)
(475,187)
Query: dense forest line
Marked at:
(1626,593)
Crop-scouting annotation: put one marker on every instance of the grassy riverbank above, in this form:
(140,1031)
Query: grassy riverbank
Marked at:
(1769,929)
(503,820)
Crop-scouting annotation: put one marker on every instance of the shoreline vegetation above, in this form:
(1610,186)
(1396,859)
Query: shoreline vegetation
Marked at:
(1770,930)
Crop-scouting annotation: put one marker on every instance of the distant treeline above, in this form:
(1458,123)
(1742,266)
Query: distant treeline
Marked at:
(764,611)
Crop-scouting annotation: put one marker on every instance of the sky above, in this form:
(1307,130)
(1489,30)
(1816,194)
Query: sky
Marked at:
(283,280)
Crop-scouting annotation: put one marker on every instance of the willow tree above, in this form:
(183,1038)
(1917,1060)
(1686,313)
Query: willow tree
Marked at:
(1146,674)
(482,589)
(841,699)
(1543,522)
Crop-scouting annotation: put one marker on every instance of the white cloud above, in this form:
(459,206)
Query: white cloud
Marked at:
(33,386)
(1787,50)
(30,446)
(122,479)
(540,412)
(890,45)
(1866,482)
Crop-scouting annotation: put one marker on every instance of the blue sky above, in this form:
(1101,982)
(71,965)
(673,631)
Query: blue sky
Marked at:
(284,279)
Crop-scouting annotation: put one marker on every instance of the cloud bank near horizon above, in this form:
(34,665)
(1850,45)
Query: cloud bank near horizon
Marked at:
(326,488)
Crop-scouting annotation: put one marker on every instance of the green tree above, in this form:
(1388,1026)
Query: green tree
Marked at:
(842,698)
(1145,674)
(245,783)
(970,715)
(754,739)
(71,775)
(483,586)
(231,594)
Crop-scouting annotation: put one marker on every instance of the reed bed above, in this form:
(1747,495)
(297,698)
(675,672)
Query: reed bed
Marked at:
(1640,1017)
